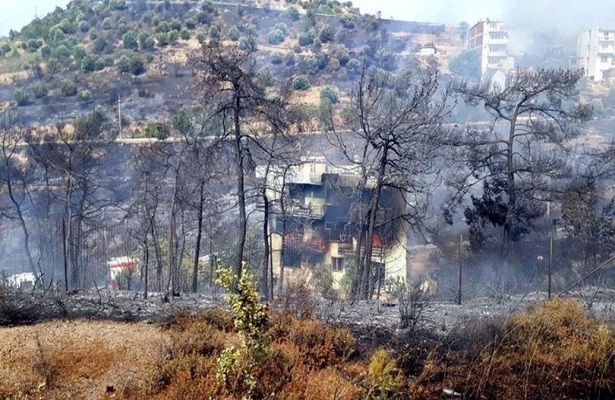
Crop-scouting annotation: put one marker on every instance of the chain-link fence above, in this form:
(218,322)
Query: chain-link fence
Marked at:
(48,253)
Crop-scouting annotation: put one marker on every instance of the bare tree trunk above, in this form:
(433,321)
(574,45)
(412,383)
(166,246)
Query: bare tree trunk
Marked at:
(366,288)
(65,255)
(265,271)
(199,236)
(145,267)
(241,195)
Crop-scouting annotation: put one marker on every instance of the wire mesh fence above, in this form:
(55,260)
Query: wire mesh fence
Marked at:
(48,253)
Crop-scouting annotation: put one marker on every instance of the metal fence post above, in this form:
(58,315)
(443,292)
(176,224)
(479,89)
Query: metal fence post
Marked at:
(460,268)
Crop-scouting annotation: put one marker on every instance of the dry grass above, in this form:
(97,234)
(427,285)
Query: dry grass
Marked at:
(77,359)
(554,348)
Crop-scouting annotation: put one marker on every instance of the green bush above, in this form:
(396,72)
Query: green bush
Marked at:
(175,25)
(79,52)
(130,40)
(39,90)
(276,36)
(293,13)
(157,130)
(21,97)
(68,88)
(146,41)
(330,94)
(347,21)
(184,34)
(102,63)
(172,37)
(276,58)
(84,26)
(85,95)
(301,82)
(305,39)
(88,64)
(326,34)
(233,33)
(107,24)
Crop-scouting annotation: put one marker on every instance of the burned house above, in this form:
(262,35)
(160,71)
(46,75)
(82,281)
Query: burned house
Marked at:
(318,213)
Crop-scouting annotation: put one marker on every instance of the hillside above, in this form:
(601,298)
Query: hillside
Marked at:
(99,53)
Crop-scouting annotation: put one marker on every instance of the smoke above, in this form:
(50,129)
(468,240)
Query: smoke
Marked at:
(534,25)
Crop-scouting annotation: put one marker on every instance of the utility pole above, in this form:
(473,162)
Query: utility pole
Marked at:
(119,114)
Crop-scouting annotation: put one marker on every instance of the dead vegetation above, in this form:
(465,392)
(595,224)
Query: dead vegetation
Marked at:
(554,347)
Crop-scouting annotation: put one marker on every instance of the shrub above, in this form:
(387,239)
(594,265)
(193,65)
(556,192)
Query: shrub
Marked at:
(146,42)
(347,21)
(85,95)
(79,52)
(107,24)
(293,13)
(301,82)
(130,40)
(100,45)
(326,34)
(175,24)
(184,34)
(21,97)
(172,37)
(123,64)
(84,26)
(102,63)
(46,52)
(276,58)
(305,39)
(68,88)
(39,90)
(88,64)
(276,36)
(190,23)
(330,94)
(233,33)
(385,378)
(157,130)
(236,365)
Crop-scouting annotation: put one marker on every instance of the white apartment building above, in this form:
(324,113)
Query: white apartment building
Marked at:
(490,40)
(596,53)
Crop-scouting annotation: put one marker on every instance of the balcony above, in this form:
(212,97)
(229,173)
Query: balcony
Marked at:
(312,211)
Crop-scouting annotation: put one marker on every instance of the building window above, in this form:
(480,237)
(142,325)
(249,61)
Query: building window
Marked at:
(604,58)
(337,263)
(498,35)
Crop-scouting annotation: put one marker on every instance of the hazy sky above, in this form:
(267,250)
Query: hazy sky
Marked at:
(529,18)
(16,13)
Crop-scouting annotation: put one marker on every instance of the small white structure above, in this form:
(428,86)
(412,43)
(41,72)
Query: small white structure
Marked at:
(119,265)
(25,280)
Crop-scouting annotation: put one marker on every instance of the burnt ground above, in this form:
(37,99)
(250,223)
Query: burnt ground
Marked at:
(437,317)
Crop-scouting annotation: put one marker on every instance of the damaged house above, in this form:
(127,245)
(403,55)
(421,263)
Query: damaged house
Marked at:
(316,220)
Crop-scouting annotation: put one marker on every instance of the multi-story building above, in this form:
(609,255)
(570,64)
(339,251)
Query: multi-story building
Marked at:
(320,223)
(490,41)
(596,53)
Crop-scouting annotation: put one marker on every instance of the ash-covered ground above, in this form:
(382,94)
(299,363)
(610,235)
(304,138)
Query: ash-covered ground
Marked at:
(437,317)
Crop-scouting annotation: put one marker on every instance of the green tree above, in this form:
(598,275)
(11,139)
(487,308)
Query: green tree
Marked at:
(68,88)
(21,97)
(301,82)
(130,40)
(233,33)
(466,65)
(326,34)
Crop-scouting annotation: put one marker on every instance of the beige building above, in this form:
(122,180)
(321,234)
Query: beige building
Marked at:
(596,53)
(319,223)
(490,40)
